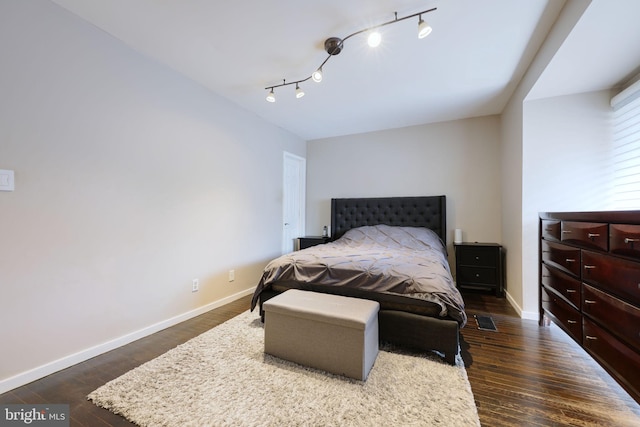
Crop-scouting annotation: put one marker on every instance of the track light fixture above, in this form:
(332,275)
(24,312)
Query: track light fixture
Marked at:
(334,45)
(374,39)
(316,76)
(271,97)
(424,29)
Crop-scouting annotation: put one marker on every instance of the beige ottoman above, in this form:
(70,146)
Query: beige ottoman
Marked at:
(334,333)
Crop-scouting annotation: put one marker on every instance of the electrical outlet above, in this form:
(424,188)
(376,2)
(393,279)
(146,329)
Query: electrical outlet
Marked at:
(195,285)
(232,275)
(6,180)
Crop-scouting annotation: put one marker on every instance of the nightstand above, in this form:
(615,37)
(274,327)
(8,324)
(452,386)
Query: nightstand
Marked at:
(480,266)
(308,241)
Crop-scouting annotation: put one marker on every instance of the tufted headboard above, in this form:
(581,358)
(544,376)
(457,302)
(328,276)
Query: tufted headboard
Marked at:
(429,211)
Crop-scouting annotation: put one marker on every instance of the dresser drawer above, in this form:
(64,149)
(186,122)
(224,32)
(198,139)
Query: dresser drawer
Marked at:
(587,234)
(618,276)
(564,315)
(620,318)
(616,357)
(478,275)
(563,284)
(564,257)
(550,229)
(624,240)
(478,256)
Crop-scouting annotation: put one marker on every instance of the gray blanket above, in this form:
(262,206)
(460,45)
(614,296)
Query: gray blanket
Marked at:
(407,261)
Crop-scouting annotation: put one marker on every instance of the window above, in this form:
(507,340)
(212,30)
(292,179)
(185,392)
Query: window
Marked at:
(626,148)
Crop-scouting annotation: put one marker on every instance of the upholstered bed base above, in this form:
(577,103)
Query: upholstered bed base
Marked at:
(420,332)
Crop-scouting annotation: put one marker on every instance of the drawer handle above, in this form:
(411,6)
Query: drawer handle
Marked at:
(566,231)
(572,322)
(477,274)
(630,240)
(570,260)
(592,235)
(477,258)
(571,291)
(589,267)
(589,337)
(548,229)
(588,301)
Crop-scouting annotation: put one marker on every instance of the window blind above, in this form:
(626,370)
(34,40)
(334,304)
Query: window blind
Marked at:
(626,148)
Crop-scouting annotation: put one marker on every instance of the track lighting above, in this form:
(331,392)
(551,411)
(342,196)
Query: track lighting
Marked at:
(374,39)
(317,75)
(271,97)
(334,45)
(424,29)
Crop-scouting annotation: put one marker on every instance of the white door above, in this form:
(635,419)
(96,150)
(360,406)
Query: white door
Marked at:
(293,200)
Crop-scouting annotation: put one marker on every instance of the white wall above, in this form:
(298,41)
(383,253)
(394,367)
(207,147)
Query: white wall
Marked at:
(130,181)
(566,167)
(459,159)
(511,186)
(512,158)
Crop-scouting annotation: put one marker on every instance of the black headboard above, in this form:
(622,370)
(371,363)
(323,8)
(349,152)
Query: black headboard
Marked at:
(429,211)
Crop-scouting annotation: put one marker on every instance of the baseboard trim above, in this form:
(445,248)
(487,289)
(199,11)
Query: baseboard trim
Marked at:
(42,371)
(523,314)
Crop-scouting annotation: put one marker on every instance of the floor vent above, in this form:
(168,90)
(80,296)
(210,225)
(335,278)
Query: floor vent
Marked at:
(485,323)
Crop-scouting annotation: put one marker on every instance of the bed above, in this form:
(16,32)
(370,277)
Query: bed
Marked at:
(391,250)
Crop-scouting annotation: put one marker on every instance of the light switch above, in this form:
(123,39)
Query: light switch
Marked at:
(6,180)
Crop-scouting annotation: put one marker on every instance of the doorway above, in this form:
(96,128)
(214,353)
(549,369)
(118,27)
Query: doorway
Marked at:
(293,200)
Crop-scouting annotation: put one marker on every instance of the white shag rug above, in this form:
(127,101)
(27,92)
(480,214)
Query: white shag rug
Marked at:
(223,378)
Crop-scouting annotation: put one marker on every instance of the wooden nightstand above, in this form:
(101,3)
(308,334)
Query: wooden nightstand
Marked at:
(308,241)
(480,266)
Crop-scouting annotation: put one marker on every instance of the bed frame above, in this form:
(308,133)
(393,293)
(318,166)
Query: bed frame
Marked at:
(396,326)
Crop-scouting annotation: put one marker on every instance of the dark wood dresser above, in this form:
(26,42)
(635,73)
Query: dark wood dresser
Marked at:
(590,286)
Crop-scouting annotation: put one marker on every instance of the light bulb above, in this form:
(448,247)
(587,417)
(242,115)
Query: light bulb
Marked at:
(271,97)
(424,29)
(317,75)
(374,39)
(299,92)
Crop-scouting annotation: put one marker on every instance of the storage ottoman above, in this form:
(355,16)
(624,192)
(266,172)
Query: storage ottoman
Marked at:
(334,333)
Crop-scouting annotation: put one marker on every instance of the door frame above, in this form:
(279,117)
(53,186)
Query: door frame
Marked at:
(301,197)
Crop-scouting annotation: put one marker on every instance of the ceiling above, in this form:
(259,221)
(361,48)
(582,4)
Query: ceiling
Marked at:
(468,66)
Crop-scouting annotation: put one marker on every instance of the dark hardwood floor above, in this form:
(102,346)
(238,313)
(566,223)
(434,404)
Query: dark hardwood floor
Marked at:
(527,375)
(521,375)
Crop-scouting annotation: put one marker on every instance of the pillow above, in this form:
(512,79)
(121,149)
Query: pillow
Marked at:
(416,238)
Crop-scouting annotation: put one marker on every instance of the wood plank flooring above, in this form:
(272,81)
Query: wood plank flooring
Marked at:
(526,375)
(522,375)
